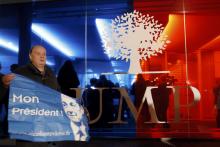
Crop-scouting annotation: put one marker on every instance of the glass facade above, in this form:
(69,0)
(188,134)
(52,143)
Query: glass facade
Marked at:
(175,93)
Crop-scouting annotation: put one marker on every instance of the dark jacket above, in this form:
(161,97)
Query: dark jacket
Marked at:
(3,111)
(1,87)
(31,72)
(3,90)
(68,78)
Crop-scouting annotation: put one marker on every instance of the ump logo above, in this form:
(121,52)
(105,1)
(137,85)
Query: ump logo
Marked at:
(134,37)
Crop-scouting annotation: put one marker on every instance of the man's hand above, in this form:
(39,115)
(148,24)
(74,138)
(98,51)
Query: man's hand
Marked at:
(6,79)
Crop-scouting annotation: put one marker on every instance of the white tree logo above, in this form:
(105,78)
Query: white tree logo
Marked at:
(136,37)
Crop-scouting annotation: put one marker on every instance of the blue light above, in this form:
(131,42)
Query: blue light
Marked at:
(50,63)
(89,70)
(12,47)
(104,27)
(51,39)
(118,70)
(9,45)
(114,63)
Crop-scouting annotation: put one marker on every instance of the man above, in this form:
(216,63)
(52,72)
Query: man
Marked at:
(35,70)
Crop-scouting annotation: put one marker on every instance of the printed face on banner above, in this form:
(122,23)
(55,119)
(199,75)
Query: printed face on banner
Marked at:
(72,109)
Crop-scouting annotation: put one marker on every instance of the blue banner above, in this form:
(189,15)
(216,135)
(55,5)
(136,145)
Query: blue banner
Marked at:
(39,113)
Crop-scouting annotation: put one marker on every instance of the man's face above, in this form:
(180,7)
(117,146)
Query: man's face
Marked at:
(38,56)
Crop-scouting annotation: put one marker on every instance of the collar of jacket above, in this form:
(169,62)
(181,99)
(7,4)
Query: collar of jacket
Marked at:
(36,70)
